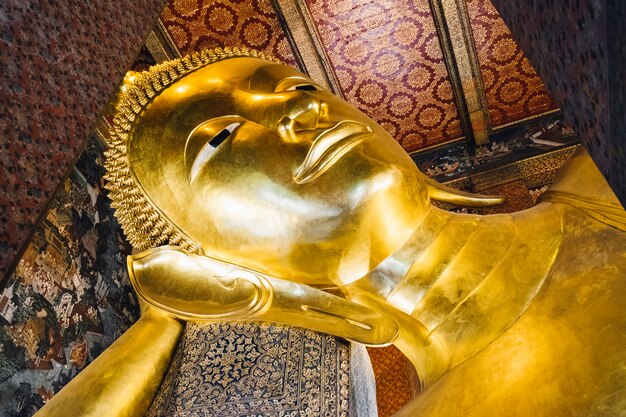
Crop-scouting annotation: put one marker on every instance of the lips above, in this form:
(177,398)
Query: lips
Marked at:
(328,147)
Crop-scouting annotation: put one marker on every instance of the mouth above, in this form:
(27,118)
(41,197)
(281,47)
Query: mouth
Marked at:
(329,147)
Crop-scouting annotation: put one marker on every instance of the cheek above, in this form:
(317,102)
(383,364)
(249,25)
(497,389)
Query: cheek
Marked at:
(262,151)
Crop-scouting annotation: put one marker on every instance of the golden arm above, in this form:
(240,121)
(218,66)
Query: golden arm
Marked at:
(194,287)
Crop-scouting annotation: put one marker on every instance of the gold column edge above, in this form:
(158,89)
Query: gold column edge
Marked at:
(452,24)
(306,43)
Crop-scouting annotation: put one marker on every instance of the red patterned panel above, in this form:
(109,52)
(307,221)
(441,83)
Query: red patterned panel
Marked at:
(514,90)
(518,198)
(390,65)
(196,24)
(396,380)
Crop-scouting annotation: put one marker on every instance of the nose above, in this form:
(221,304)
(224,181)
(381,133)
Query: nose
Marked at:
(303,112)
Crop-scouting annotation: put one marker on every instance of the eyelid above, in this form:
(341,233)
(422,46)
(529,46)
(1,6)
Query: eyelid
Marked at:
(201,141)
(296,87)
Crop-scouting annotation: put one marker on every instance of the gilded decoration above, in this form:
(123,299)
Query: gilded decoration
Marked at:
(513,89)
(301,210)
(539,170)
(452,328)
(457,43)
(144,224)
(247,369)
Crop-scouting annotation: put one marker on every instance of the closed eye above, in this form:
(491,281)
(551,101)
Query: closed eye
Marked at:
(223,135)
(209,136)
(303,87)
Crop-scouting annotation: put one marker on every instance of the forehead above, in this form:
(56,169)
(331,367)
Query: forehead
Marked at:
(242,73)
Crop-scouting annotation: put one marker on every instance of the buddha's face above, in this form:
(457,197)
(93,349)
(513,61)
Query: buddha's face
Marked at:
(265,169)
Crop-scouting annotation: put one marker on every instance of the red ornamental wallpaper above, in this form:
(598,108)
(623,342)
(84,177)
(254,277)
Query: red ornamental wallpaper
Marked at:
(513,89)
(389,63)
(195,25)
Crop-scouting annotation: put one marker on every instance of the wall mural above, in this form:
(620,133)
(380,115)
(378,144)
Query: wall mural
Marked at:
(58,69)
(390,65)
(69,297)
(513,89)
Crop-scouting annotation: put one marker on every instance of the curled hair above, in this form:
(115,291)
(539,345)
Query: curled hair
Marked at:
(143,223)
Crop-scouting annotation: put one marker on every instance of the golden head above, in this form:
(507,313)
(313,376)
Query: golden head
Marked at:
(231,154)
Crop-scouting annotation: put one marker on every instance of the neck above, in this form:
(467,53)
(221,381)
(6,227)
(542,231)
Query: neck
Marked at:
(466,278)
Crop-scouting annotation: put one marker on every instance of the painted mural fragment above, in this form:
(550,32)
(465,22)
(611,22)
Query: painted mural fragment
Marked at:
(459,159)
(69,297)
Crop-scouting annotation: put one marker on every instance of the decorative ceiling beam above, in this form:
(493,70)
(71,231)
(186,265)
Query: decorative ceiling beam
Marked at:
(455,34)
(160,44)
(306,44)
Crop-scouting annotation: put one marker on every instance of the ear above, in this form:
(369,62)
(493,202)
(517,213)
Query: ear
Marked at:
(445,194)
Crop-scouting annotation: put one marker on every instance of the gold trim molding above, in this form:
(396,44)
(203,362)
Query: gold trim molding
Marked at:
(457,42)
(306,43)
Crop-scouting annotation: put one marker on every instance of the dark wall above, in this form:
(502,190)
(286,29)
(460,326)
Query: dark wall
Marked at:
(60,62)
(578,49)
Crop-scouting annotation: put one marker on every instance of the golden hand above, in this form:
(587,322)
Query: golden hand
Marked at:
(194,287)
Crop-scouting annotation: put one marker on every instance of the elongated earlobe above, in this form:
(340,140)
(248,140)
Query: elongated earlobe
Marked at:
(445,194)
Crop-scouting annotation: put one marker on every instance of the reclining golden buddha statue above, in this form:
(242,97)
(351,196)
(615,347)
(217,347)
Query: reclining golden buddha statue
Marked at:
(258,196)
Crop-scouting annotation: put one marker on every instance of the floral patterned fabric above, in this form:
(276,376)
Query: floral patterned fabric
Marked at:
(251,369)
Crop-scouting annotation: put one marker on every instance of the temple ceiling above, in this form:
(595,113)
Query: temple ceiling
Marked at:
(397,61)
(445,77)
